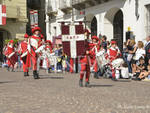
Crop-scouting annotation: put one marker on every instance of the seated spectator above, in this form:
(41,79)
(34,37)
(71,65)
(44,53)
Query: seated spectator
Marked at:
(145,73)
(124,71)
(142,66)
(140,52)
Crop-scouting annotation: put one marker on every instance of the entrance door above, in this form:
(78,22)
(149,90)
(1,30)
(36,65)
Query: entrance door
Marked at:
(94,27)
(1,46)
(118,29)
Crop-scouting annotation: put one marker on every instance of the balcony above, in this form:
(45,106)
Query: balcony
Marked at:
(13,12)
(50,9)
(82,4)
(65,6)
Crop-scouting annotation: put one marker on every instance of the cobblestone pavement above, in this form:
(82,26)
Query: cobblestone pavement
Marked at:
(60,93)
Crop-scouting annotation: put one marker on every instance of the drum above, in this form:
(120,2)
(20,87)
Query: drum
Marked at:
(41,48)
(10,55)
(117,62)
(101,60)
(24,54)
(13,58)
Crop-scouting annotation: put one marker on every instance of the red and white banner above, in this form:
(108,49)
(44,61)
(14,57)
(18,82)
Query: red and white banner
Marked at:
(34,18)
(2,14)
(73,40)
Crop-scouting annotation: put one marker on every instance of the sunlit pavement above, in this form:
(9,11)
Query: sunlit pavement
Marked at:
(60,93)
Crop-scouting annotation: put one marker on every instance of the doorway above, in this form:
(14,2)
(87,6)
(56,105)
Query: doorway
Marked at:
(118,29)
(94,27)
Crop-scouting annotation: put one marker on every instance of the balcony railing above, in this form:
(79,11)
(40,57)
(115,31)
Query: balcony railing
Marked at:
(82,4)
(65,5)
(51,8)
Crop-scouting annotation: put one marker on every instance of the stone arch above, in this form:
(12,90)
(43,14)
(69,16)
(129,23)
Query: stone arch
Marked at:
(89,18)
(110,24)
(94,26)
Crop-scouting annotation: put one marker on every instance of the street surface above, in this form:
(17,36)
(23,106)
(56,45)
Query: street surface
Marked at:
(60,93)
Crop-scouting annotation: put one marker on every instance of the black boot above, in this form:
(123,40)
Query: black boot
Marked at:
(87,84)
(81,83)
(114,79)
(96,75)
(8,69)
(35,75)
(25,74)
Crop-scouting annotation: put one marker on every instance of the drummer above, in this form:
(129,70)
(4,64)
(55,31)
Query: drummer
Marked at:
(22,50)
(112,54)
(11,56)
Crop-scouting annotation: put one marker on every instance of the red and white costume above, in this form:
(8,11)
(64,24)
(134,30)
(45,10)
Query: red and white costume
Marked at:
(23,48)
(35,42)
(112,54)
(48,50)
(89,60)
(10,50)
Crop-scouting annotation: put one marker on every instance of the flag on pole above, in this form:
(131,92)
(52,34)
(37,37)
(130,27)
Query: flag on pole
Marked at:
(2,14)
(34,18)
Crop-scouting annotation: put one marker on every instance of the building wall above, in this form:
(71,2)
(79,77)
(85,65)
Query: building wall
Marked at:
(105,14)
(16,17)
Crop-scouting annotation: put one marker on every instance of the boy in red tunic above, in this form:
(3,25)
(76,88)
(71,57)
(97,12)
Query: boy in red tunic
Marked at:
(89,60)
(94,48)
(35,42)
(22,50)
(112,54)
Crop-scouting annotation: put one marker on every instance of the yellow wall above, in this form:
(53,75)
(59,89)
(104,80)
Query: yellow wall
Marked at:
(16,11)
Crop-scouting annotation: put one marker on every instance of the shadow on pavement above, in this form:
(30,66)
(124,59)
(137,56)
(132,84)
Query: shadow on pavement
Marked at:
(93,85)
(50,77)
(4,82)
(124,80)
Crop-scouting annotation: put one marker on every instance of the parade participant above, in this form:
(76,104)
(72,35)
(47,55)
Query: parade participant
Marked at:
(11,55)
(49,49)
(94,48)
(71,65)
(23,50)
(112,54)
(35,43)
(85,66)
(49,46)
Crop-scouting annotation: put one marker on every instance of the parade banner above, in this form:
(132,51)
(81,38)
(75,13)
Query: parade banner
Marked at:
(34,18)
(73,40)
(2,14)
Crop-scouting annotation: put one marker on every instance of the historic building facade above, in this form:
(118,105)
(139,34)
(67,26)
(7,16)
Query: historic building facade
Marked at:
(16,20)
(112,18)
(16,13)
